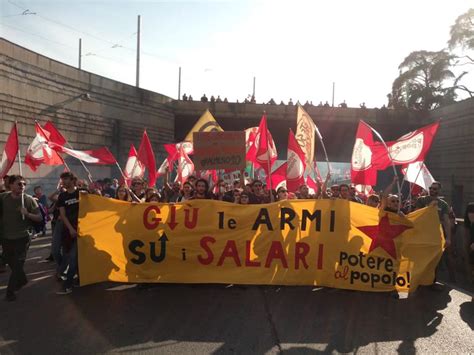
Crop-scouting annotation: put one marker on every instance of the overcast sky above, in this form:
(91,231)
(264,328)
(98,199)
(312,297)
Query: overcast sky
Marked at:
(295,49)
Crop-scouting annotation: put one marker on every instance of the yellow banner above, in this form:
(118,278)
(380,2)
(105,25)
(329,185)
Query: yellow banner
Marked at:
(332,243)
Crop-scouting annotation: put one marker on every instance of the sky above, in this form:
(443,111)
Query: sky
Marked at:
(294,49)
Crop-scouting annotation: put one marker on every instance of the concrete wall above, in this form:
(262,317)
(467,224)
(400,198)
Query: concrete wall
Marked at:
(338,126)
(451,159)
(32,86)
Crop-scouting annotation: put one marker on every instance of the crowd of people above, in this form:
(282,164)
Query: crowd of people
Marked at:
(24,217)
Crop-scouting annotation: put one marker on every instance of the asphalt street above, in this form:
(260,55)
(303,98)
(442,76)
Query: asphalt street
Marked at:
(198,319)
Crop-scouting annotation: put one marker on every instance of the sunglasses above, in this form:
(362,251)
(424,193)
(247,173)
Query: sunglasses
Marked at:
(21,184)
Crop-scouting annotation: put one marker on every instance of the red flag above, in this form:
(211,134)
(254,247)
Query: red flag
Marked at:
(363,170)
(101,156)
(185,166)
(265,154)
(312,186)
(279,176)
(39,152)
(54,135)
(133,168)
(147,158)
(410,148)
(296,164)
(250,138)
(10,152)
(173,151)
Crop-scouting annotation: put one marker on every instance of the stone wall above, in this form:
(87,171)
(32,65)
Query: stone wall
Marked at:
(451,159)
(114,114)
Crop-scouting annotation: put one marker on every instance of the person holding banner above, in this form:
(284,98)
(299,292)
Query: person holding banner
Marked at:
(257,196)
(123,194)
(186,192)
(434,199)
(469,239)
(202,190)
(68,204)
(18,211)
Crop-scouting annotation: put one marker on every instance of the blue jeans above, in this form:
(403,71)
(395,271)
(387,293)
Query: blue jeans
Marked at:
(56,242)
(71,260)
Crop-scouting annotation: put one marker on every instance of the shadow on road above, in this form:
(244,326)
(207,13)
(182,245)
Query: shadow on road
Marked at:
(467,313)
(240,319)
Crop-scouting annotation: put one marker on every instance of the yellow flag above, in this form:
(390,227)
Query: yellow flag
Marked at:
(305,134)
(207,123)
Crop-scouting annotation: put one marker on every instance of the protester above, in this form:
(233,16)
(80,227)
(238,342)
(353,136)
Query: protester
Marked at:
(236,196)
(258,196)
(303,193)
(154,197)
(137,188)
(345,194)
(335,191)
(18,211)
(55,254)
(202,190)
(40,228)
(390,202)
(123,194)
(186,192)
(68,204)
(107,189)
(150,191)
(282,194)
(244,198)
(469,239)
(373,201)
(434,199)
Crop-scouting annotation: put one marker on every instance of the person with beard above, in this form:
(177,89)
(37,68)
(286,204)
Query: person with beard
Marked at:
(201,192)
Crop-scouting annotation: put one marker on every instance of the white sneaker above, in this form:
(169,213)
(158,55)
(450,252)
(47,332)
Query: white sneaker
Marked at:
(65,291)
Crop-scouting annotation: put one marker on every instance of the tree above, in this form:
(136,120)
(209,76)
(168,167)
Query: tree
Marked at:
(462,37)
(422,80)
(462,32)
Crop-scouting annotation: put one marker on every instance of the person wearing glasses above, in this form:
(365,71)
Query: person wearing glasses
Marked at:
(282,194)
(18,212)
(258,196)
(390,202)
(434,199)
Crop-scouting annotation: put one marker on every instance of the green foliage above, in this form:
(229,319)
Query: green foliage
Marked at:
(420,84)
(462,32)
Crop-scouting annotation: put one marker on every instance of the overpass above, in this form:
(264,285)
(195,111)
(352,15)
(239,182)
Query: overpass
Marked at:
(338,126)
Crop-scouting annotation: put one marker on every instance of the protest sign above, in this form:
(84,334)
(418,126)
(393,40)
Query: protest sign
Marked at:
(219,150)
(333,243)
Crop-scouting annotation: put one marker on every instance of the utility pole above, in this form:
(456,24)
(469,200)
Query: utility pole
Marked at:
(80,52)
(333,89)
(179,84)
(138,52)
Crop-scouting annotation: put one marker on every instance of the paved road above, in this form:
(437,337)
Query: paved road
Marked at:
(199,319)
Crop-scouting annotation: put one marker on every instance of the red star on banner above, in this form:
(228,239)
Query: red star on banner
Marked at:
(383,235)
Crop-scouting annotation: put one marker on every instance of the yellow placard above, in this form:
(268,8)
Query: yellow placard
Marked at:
(332,243)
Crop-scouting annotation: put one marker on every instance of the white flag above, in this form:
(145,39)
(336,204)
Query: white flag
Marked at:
(417,173)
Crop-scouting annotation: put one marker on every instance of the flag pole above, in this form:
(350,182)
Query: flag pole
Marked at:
(20,169)
(320,137)
(391,161)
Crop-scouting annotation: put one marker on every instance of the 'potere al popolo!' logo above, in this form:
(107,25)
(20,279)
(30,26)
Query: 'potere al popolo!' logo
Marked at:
(361,156)
(407,148)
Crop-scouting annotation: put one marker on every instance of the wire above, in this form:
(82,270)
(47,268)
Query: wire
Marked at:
(37,35)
